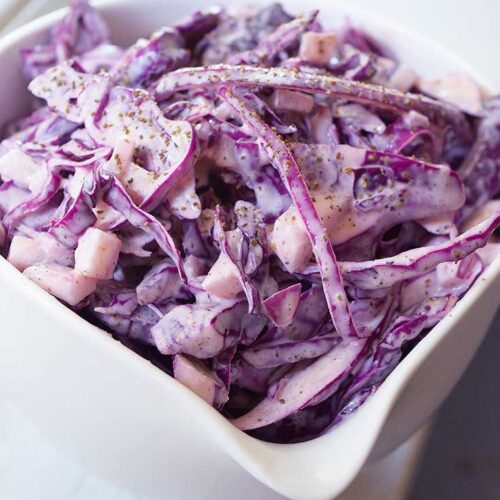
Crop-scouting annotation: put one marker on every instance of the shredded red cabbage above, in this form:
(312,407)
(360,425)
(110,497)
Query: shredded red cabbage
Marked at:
(272,212)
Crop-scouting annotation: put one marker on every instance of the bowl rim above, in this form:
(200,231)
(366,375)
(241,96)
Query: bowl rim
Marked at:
(247,450)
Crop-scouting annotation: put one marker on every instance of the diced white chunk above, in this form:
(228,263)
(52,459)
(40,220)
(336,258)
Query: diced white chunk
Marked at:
(383,69)
(223,278)
(289,237)
(25,252)
(414,119)
(317,47)
(195,376)
(22,169)
(459,90)
(289,100)
(403,78)
(97,254)
(290,241)
(62,282)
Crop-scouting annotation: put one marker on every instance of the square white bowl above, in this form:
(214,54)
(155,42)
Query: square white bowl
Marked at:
(125,419)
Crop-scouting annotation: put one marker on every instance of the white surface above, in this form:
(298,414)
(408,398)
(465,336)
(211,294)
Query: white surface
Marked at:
(92,487)
(31,469)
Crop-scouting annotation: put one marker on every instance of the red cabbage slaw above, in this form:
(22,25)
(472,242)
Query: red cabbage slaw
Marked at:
(270,211)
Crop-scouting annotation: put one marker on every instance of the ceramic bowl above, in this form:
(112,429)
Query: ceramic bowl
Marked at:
(124,419)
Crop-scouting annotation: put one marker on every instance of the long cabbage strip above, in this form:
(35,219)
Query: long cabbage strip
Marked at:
(315,382)
(283,160)
(383,273)
(250,76)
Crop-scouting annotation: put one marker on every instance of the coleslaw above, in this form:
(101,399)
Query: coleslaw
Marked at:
(272,212)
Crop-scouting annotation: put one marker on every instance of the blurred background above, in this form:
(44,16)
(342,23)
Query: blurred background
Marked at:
(457,456)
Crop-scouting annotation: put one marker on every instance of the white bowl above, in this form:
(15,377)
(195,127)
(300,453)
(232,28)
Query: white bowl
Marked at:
(123,418)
